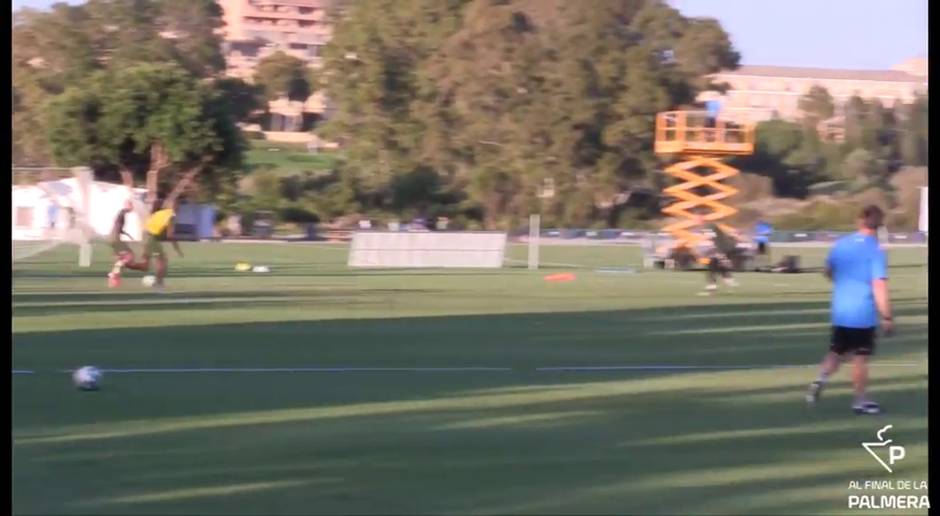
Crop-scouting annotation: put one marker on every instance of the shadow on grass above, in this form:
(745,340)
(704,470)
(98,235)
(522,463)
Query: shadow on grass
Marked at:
(576,465)
(631,442)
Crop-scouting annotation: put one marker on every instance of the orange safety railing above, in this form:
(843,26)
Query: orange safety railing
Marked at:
(679,132)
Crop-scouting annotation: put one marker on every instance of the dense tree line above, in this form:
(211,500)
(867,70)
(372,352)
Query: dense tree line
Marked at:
(479,110)
(132,89)
(492,110)
(876,142)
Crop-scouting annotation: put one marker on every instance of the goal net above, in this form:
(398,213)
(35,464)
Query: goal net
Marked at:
(50,207)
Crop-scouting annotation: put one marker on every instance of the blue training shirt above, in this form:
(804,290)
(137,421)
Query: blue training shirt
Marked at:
(763,231)
(855,261)
(713,107)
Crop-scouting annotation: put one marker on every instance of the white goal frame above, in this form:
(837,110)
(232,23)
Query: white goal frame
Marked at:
(73,205)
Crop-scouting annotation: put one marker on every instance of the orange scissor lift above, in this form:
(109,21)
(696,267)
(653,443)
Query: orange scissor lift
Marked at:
(700,144)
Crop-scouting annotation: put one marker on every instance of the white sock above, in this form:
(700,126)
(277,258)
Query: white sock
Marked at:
(823,377)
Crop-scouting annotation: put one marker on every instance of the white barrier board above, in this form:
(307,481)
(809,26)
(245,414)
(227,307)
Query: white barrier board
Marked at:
(923,209)
(427,249)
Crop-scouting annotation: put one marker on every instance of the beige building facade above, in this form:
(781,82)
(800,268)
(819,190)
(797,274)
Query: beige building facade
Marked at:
(256,29)
(757,93)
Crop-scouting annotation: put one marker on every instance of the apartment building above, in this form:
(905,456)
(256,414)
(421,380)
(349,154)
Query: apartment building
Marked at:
(759,93)
(255,29)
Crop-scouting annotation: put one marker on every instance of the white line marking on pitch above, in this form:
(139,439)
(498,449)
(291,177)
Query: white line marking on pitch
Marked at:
(663,367)
(154,301)
(303,370)
(668,367)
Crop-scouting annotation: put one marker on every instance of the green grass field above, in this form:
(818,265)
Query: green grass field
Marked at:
(729,435)
(286,158)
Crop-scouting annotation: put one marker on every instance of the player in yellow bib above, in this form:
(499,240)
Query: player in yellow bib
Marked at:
(157,228)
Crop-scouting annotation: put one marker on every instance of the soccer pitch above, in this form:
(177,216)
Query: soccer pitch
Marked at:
(315,389)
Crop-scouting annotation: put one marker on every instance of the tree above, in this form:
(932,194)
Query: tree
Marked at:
(788,153)
(373,72)
(281,75)
(57,49)
(243,100)
(499,97)
(879,133)
(913,132)
(816,105)
(51,51)
(856,111)
(151,122)
(862,166)
(191,26)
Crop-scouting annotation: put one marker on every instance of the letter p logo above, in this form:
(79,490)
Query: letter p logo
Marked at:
(895,453)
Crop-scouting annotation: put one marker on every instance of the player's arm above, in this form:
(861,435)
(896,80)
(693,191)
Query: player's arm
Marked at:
(171,237)
(882,298)
(117,229)
(879,285)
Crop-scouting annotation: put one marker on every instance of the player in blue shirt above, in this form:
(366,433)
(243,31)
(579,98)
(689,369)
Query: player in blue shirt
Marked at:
(762,232)
(857,267)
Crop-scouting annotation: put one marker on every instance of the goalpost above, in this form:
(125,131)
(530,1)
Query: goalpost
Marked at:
(534,233)
(50,207)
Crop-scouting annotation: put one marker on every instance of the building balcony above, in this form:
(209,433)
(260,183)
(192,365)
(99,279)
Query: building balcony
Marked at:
(304,4)
(315,16)
(316,34)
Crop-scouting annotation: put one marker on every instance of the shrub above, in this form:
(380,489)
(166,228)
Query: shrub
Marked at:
(297,215)
(876,196)
(752,187)
(820,215)
(829,188)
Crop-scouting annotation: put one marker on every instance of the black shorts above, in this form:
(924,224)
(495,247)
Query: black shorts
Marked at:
(859,341)
(762,248)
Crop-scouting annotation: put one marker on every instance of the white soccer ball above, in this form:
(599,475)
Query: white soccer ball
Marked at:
(149,280)
(87,378)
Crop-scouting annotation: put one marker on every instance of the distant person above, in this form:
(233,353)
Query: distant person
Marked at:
(122,251)
(762,232)
(712,108)
(721,256)
(53,214)
(157,229)
(418,224)
(858,269)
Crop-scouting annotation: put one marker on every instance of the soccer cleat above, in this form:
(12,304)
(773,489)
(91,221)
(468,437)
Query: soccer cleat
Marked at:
(114,279)
(868,408)
(731,282)
(815,390)
(711,286)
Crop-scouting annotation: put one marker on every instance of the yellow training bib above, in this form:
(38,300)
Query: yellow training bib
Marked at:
(158,221)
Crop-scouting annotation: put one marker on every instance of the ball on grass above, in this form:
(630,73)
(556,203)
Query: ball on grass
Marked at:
(86,378)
